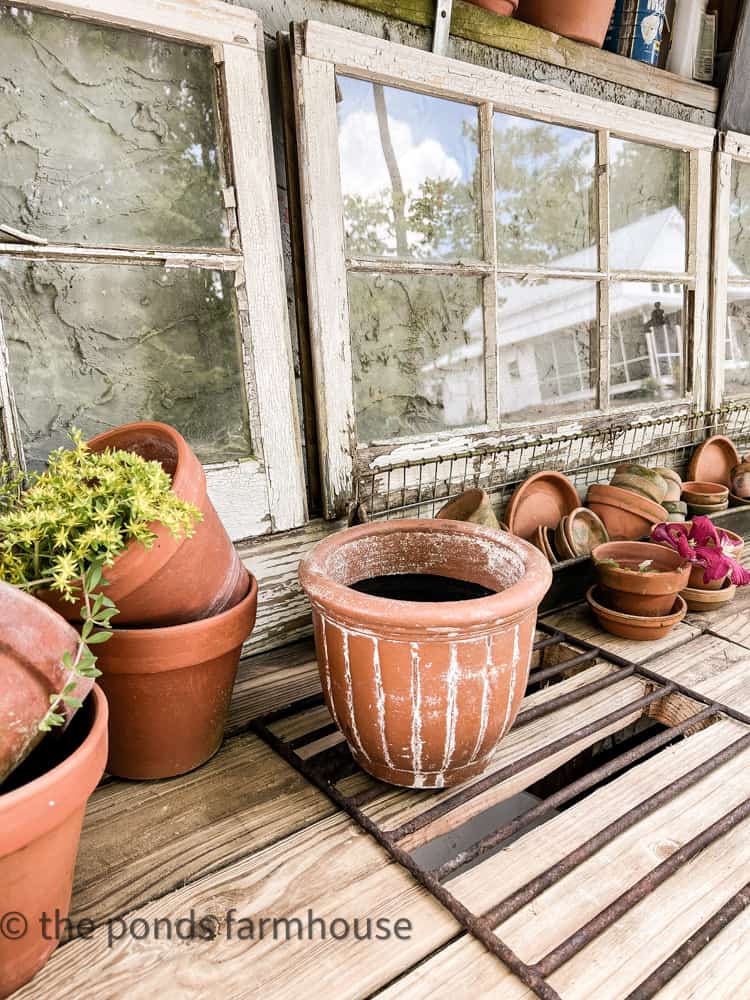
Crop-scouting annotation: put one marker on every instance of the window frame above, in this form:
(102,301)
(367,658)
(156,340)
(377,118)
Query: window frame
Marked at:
(733,147)
(266,492)
(320,52)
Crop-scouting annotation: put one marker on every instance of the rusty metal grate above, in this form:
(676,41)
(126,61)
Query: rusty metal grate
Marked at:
(418,488)
(328,768)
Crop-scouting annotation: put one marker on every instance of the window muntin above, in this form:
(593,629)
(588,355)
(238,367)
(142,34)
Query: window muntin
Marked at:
(732,300)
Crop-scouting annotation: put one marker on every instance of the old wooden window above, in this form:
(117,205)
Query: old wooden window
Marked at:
(140,255)
(487,256)
(731,316)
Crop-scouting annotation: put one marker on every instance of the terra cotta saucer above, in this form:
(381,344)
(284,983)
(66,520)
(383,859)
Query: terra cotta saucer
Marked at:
(713,461)
(543,499)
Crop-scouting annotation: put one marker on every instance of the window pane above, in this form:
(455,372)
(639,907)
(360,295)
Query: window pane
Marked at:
(737,364)
(409,172)
(107,136)
(648,207)
(547,332)
(544,193)
(97,345)
(647,345)
(417,354)
(739,219)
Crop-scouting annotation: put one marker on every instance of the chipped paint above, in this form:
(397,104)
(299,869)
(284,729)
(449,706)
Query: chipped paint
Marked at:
(417,743)
(380,699)
(350,695)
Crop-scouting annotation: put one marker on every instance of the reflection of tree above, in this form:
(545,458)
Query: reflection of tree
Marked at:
(398,198)
(644,180)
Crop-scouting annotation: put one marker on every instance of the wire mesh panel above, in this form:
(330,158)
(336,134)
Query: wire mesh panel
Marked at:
(418,488)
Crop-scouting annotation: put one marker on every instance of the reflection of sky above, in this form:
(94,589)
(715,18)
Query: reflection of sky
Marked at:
(428,136)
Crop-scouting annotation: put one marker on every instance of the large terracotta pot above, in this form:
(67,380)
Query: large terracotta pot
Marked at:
(626,515)
(169,690)
(423,692)
(624,588)
(583,20)
(177,580)
(33,641)
(40,827)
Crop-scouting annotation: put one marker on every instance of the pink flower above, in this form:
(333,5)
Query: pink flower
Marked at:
(702,544)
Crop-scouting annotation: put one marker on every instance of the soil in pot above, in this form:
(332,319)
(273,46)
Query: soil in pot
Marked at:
(639,578)
(421,587)
(177,580)
(169,690)
(41,813)
(424,690)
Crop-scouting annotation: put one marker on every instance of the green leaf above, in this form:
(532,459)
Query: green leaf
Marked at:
(646,564)
(99,637)
(72,702)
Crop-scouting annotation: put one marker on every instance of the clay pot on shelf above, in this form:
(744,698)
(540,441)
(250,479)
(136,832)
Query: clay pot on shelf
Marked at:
(177,580)
(505,8)
(708,495)
(41,813)
(583,20)
(741,481)
(473,506)
(638,627)
(626,515)
(674,484)
(700,599)
(697,579)
(624,587)
(34,641)
(647,482)
(169,690)
(424,690)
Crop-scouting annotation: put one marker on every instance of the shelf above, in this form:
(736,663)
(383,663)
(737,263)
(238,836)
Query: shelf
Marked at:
(478,25)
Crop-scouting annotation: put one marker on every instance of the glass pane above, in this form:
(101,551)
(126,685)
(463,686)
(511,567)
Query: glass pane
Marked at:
(648,207)
(647,344)
(107,136)
(547,332)
(544,193)
(417,354)
(97,345)
(739,219)
(737,364)
(409,172)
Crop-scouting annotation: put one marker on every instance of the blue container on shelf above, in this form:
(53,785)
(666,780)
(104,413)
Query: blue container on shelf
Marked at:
(640,30)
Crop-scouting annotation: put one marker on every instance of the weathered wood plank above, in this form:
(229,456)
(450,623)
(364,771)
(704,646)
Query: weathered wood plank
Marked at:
(179,830)
(481,26)
(712,666)
(271,680)
(581,624)
(629,951)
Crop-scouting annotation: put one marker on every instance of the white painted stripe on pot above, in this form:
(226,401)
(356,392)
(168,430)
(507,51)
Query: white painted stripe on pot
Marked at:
(416,709)
(327,671)
(451,714)
(484,715)
(512,682)
(350,695)
(380,699)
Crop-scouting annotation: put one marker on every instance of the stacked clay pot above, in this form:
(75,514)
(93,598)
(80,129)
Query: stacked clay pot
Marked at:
(633,502)
(638,590)
(705,498)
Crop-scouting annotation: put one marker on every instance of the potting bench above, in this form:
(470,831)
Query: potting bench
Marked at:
(630,880)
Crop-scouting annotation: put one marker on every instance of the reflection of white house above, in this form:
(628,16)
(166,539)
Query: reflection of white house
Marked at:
(546,330)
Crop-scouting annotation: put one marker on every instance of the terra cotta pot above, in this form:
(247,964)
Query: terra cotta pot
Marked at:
(169,690)
(505,8)
(424,691)
(474,506)
(641,628)
(33,640)
(40,827)
(583,20)
(626,515)
(624,588)
(177,580)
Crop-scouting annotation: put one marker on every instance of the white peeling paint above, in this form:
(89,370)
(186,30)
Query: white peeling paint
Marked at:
(512,681)
(350,695)
(484,714)
(327,671)
(451,711)
(416,700)
(380,699)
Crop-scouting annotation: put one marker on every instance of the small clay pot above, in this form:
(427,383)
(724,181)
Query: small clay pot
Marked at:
(695,509)
(700,599)
(637,627)
(735,501)
(675,506)
(473,506)
(40,827)
(584,20)
(645,488)
(34,641)
(584,530)
(741,480)
(697,579)
(705,494)
(674,484)
(177,580)
(424,691)
(626,515)
(169,690)
(505,8)
(562,544)
(651,593)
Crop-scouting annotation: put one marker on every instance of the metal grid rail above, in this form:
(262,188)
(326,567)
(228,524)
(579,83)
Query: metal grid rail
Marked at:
(419,487)
(327,768)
